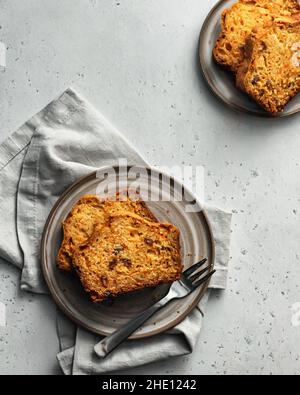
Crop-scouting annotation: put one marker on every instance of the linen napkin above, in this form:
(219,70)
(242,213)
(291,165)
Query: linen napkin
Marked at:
(69,139)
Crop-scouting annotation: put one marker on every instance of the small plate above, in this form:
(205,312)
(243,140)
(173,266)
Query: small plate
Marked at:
(196,243)
(221,81)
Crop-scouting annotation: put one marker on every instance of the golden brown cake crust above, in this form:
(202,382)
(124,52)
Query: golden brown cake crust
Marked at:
(128,253)
(89,211)
(240,20)
(270,73)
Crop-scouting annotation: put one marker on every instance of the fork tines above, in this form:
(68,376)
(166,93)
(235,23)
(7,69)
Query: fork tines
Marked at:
(203,279)
(197,275)
(194,278)
(192,269)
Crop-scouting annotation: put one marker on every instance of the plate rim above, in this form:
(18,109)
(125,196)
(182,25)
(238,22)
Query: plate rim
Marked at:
(216,92)
(64,307)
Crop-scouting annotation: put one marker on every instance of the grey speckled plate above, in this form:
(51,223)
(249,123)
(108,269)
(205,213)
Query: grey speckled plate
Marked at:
(221,81)
(196,241)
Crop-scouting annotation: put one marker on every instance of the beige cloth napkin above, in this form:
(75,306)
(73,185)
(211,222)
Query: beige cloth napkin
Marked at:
(67,140)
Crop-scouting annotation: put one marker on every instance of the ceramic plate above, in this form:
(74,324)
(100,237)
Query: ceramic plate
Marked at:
(196,242)
(222,82)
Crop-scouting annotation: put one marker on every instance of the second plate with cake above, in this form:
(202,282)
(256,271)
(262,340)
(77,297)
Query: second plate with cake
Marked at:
(222,81)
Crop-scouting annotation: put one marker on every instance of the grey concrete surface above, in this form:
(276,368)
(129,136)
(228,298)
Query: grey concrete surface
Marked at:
(136,60)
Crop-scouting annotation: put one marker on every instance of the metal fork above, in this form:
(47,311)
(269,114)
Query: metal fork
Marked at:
(190,280)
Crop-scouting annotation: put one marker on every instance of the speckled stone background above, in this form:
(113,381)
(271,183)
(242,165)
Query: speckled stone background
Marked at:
(136,61)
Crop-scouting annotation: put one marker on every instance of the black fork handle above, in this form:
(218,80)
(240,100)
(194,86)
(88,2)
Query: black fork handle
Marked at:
(111,342)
